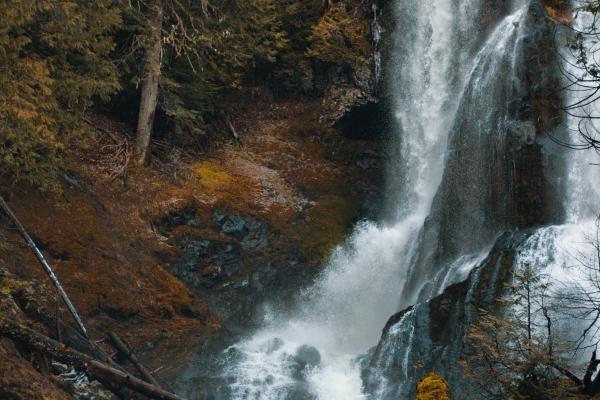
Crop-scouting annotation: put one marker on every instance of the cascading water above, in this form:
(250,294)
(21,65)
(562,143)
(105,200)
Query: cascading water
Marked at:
(311,351)
(464,108)
(461,227)
(412,337)
(566,252)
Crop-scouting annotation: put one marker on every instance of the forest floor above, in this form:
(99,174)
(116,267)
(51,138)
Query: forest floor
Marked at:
(113,237)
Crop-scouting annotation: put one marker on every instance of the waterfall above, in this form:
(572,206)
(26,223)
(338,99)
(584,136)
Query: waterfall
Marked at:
(563,250)
(462,208)
(464,90)
(482,148)
(311,352)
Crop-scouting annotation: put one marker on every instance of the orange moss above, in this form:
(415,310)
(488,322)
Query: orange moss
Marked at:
(433,387)
(101,249)
(212,177)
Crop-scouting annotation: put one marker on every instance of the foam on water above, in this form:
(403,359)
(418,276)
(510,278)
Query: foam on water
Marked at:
(340,317)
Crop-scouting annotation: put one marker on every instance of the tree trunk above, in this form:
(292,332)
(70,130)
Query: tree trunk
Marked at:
(149,95)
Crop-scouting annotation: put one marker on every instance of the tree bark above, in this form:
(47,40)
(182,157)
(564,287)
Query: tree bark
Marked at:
(149,94)
(82,362)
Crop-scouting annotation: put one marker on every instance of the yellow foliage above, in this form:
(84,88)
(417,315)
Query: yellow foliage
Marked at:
(47,83)
(433,387)
(341,36)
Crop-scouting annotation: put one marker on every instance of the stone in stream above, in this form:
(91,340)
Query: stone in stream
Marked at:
(306,356)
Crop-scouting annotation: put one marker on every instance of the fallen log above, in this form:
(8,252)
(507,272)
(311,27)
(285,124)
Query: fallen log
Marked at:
(81,362)
(45,265)
(116,341)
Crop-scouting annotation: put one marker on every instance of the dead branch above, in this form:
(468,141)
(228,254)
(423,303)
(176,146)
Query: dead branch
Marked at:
(234,132)
(568,374)
(45,265)
(82,362)
(116,341)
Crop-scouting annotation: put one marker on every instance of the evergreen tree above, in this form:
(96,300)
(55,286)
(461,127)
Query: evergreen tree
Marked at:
(171,26)
(54,59)
(341,36)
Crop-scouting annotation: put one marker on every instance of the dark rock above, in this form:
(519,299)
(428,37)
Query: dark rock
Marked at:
(367,163)
(257,235)
(252,232)
(307,356)
(235,226)
(206,263)
(191,312)
(434,335)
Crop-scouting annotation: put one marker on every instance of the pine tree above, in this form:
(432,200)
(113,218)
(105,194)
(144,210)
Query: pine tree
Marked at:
(54,60)
(513,352)
(171,26)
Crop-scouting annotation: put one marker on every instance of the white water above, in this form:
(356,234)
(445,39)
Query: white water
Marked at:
(343,314)
(567,253)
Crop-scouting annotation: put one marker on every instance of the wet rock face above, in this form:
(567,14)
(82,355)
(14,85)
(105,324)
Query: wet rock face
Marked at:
(432,336)
(501,173)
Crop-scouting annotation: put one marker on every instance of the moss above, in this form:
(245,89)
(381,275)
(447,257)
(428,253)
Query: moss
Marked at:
(433,387)
(212,177)
(9,285)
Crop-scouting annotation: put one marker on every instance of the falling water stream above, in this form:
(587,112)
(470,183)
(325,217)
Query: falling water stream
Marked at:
(454,78)
(312,351)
